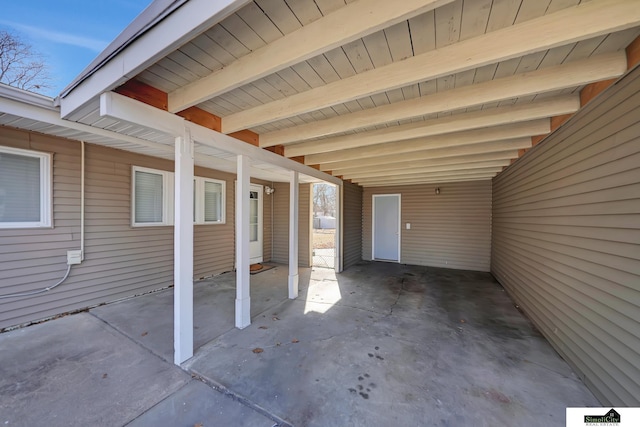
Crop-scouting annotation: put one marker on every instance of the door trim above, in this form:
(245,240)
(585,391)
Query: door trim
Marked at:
(260,189)
(373,226)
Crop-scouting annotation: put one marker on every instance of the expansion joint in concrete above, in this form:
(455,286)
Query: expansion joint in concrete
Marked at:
(279,422)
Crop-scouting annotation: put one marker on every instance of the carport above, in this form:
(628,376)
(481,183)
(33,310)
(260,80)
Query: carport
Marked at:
(477,135)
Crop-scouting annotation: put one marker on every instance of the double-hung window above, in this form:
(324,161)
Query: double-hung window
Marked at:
(152,197)
(25,188)
(153,194)
(208,201)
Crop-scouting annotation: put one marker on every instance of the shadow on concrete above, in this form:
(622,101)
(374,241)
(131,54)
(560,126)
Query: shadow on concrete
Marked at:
(388,344)
(379,344)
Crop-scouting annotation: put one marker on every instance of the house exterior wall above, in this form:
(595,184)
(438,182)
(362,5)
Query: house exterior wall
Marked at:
(566,240)
(450,230)
(280,200)
(120,260)
(352,224)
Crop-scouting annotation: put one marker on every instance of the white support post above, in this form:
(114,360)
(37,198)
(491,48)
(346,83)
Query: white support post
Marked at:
(293,235)
(243,298)
(183,250)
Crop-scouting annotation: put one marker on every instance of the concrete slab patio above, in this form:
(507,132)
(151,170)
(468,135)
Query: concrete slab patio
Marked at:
(380,344)
(387,344)
(79,371)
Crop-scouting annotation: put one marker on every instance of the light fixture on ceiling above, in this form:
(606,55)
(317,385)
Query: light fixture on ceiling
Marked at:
(268,190)
(437,190)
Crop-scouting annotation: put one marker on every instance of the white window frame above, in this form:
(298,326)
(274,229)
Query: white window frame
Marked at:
(199,184)
(46,180)
(167,197)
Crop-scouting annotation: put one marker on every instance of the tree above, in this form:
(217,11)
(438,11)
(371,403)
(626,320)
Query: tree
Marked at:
(20,65)
(324,199)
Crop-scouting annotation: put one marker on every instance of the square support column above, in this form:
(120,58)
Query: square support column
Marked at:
(183,251)
(243,298)
(293,235)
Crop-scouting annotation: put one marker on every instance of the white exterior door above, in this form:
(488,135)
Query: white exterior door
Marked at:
(255,223)
(386,227)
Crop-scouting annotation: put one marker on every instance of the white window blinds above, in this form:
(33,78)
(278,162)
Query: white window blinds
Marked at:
(212,201)
(149,191)
(25,188)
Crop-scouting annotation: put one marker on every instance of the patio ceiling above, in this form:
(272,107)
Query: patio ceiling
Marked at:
(379,92)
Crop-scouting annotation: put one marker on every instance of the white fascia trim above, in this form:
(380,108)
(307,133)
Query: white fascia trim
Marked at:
(181,26)
(52,116)
(26,97)
(120,107)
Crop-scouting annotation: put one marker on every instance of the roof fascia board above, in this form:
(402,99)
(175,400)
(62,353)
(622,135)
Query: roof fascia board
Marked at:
(52,117)
(123,108)
(186,22)
(26,97)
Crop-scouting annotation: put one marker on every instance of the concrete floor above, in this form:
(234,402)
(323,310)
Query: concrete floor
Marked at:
(380,344)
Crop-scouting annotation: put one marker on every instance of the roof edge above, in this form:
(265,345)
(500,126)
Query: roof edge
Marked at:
(147,19)
(26,97)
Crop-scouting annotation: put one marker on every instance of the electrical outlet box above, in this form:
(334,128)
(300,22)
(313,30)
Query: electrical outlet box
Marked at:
(408,226)
(74,257)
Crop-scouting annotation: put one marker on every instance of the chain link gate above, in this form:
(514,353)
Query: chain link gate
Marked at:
(324,248)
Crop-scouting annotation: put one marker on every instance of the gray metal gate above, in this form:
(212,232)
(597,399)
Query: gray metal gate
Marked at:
(324,248)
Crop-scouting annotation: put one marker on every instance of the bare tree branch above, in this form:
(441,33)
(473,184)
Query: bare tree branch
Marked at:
(324,199)
(20,65)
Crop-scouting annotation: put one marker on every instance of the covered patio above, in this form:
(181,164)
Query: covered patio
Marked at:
(379,344)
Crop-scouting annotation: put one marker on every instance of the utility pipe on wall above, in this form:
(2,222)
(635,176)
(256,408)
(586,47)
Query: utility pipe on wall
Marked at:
(71,260)
(82,166)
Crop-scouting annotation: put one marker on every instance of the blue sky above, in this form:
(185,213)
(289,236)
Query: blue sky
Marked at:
(68,33)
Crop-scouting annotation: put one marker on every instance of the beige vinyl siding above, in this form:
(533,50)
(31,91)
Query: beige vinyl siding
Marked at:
(35,258)
(281,224)
(450,230)
(566,240)
(352,224)
(120,260)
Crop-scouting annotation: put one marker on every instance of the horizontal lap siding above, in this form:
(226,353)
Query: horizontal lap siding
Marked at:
(32,259)
(352,224)
(450,230)
(213,243)
(281,224)
(566,240)
(120,260)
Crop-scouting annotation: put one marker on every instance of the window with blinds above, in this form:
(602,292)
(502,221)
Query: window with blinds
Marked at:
(25,188)
(149,197)
(213,201)
(152,199)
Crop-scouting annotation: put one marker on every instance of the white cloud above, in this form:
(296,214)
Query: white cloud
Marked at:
(58,36)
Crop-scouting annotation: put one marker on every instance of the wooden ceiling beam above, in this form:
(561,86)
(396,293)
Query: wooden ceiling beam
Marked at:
(345,25)
(201,117)
(444,174)
(594,89)
(633,53)
(476,136)
(569,25)
(465,150)
(411,171)
(426,180)
(142,92)
(559,77)
(427,163)
(459,122)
